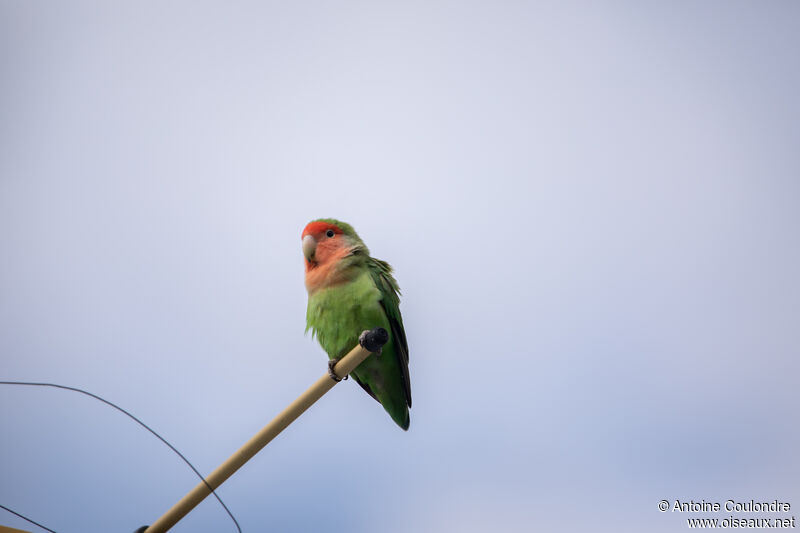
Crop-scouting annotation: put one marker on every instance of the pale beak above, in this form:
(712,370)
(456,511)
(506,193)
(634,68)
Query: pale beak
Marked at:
(309,247)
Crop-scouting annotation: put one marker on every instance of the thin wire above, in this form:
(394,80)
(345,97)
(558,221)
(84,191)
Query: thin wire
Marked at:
(120,409)
(26,518)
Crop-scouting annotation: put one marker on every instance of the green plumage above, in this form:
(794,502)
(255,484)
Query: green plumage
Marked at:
(338,314)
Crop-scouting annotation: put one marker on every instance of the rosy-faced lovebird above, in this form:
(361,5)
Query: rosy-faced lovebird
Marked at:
(349,292)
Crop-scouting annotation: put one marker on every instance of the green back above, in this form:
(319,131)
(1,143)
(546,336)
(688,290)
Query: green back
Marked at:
(337,315)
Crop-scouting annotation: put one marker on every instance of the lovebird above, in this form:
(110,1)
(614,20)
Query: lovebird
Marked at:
(349,292)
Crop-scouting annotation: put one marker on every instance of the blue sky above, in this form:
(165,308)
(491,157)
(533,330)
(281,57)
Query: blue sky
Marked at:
(591,209)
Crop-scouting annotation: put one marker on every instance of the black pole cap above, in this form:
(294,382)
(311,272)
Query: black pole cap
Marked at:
(373,340)
(141,529)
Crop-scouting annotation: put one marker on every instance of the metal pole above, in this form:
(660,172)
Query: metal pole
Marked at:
(369,342)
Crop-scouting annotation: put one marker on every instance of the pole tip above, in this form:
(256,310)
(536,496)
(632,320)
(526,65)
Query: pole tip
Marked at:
(373,340)
(141,529)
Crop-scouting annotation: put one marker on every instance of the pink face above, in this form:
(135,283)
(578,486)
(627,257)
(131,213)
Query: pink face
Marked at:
(322,243)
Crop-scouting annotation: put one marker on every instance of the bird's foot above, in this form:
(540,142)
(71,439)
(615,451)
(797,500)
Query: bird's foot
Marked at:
(331,373)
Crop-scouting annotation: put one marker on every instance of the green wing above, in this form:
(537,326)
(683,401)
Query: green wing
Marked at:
(381,273)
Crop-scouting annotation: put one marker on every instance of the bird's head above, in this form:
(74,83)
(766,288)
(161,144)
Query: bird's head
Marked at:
(328,240)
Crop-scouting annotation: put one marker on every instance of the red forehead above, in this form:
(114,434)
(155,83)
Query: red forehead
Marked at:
(319,227)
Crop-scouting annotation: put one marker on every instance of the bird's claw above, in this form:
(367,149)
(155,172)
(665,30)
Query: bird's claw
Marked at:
(331,373)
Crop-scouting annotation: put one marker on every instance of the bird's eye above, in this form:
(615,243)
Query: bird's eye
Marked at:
(329,233)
